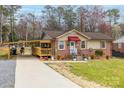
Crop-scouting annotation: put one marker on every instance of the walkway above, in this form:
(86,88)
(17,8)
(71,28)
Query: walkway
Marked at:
(32,73)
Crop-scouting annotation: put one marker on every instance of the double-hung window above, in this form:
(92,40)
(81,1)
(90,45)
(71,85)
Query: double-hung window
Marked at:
(61,45)
(103,44)
(83,44)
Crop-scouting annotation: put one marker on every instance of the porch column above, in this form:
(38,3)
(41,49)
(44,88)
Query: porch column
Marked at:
(67,49)
(56,48)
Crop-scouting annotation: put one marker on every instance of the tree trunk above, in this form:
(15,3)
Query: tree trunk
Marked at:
(12,24)
(1,16)
(81,22)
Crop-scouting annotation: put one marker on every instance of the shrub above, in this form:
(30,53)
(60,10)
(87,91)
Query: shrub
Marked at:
(58,57)
(92,56)
(68,56)
(62,57)
(107,57)
(98,52)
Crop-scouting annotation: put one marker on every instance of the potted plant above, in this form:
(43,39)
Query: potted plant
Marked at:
(92,56)
(107,57)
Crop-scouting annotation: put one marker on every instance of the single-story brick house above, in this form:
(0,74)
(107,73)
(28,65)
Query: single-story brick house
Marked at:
(75,42)
(118,45)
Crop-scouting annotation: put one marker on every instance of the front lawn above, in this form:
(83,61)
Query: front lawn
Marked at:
(3,54)
(105,72)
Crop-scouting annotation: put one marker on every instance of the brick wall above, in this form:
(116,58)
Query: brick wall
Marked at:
(115,47)
(62,52)
(107,51)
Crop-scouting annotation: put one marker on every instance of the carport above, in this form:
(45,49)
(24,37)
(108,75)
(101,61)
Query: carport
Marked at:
(39,48)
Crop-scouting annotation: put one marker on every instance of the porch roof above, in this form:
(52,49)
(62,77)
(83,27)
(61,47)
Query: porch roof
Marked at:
(73,38)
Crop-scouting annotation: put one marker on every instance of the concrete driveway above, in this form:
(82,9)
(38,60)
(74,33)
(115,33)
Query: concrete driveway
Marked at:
(32,73)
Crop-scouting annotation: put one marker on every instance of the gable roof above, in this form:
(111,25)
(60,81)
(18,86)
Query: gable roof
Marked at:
(89,35)
(54,34)
(97,36)
(68,32)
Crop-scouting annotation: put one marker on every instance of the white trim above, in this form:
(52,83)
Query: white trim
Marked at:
(73,31)
(73,49)
(59,43)
(105,44)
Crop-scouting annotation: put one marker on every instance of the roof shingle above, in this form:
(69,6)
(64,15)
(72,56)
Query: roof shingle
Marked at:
(54,34)
(97,35)
(91,35)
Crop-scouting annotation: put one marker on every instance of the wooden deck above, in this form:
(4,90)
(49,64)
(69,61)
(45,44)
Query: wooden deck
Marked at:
(37,51)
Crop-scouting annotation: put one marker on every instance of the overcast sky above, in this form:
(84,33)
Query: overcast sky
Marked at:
(37,8)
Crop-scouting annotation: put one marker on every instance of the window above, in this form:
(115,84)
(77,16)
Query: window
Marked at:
(61,45)
(119,45)
(45,45)
(83,44)
(103,44)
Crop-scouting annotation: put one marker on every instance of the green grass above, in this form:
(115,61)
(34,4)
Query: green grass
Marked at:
(3,54)
(105,72)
